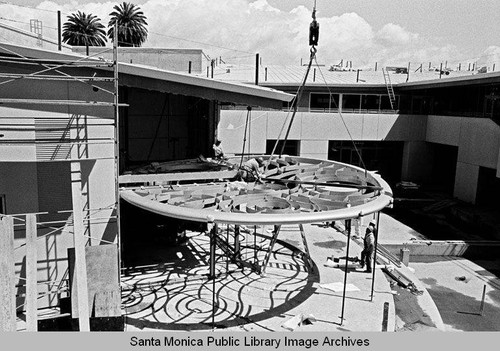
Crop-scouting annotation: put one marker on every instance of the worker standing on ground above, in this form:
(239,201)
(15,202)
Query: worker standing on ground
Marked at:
(250,170)
(219,154)
(369,246)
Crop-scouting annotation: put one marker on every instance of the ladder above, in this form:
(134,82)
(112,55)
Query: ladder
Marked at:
(390,90)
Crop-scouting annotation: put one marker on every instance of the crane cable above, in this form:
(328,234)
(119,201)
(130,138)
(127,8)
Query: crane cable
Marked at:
(313,42)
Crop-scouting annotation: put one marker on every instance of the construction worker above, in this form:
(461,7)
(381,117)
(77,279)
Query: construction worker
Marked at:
(219,154)
(250,170)
(369,247)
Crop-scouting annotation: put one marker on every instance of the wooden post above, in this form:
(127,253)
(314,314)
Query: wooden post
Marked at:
(80,260)
(7,275)
(31,274)
(385,316)
(481,309)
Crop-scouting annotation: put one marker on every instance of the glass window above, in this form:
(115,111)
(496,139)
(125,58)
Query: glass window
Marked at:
(324,101)
(350,103)
(370,102)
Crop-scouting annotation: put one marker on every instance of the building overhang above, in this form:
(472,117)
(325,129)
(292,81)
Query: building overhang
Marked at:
(161,80)
(477,79)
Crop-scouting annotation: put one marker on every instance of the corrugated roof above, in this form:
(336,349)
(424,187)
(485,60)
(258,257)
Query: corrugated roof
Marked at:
(282,76)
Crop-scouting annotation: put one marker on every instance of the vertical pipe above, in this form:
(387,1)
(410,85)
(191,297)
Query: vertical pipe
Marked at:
(429,66)
(257,69)
(227,256)
(265,74)
(117,142)
(374,263)
(59,44)
(357,76)
(212,270)
(459,66)
(493,69)
(345,273)
(212,64)
(440,70)
(408,72)
(208,71)
(468,68)
(376,64)
(314,75)
(189,67)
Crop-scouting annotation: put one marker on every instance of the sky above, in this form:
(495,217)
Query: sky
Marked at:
(390,32)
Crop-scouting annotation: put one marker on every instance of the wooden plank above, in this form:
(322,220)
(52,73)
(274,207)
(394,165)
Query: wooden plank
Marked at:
(173,177)
(7,275)
(80,261)
(31,274)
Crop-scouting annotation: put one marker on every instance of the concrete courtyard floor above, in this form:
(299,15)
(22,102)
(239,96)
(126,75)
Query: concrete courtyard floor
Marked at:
(173,298)
(170,289)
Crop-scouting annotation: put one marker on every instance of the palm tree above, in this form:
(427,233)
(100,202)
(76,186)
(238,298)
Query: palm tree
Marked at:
(132,24)
(82,29)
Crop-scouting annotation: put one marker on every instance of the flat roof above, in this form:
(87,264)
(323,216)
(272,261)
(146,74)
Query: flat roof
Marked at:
(173,82)
(319,76)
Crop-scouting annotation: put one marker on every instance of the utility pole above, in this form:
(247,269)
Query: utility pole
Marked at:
(257,61)
(59,44)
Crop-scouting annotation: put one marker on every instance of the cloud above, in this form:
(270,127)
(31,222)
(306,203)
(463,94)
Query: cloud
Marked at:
(394,34)
(248,27)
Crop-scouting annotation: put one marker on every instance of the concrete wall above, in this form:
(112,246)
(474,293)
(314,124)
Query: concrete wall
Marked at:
(417,161)
(478,141)
(167,59)
(316,129)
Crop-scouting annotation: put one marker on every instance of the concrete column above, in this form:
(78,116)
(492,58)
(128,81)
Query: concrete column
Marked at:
(466,179)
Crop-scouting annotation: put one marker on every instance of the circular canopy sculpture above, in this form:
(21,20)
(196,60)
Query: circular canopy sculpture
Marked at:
(294,190)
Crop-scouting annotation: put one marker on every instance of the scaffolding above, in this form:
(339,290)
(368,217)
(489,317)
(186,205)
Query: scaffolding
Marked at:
(55,140)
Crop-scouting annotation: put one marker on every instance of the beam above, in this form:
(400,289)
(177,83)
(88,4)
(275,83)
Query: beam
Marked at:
(172,177)
(31,274)
(7,274)
(79,238)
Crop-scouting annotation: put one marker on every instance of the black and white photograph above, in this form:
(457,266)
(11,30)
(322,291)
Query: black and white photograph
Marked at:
(250,174)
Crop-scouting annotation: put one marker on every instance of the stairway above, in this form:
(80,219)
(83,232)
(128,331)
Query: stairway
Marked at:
(390,90)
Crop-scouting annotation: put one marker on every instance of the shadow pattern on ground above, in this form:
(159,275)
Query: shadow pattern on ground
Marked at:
(177,295)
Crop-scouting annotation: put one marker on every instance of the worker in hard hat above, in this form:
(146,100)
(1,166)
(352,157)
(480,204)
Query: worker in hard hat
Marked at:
(250,170)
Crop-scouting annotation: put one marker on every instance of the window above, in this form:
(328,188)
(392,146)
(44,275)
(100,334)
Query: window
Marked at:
(350,103)
(370,103)
(324,102)
(292,147)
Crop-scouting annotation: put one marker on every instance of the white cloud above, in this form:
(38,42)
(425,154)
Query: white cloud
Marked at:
(394,34)
(281,37)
